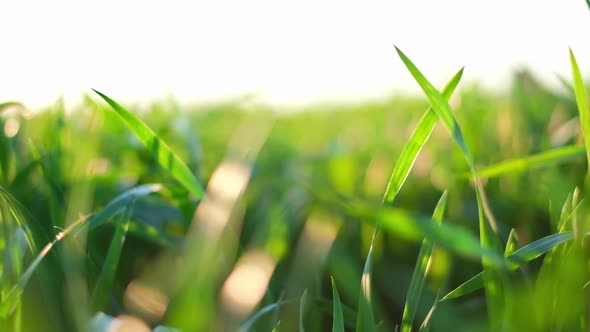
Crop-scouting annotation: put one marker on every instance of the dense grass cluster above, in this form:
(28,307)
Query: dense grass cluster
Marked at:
(236,216)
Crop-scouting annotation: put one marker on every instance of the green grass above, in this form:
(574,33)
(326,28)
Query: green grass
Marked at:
(227,218)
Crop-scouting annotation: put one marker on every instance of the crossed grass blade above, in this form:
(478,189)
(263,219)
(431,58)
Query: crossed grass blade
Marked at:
(488,227)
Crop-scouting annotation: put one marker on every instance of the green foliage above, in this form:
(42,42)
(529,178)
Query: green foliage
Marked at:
(101,218)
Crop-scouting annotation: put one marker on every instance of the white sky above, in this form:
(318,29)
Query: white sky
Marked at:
(286,53)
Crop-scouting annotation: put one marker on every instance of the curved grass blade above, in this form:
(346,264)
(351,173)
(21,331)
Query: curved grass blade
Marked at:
(582,101)
(546,158)
(415,143)
(338,323)
(515,260)
(104,283)
(159,149)
(364,319)
(12,298)
(419,275)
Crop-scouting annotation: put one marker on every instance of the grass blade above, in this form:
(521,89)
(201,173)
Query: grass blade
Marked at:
(302,304)
(414,145)
(120,203)
(419,275)
(515,260)
(415,227)
(487,224)
(582,101)
(338,323)
(265,310)
(159,149)
(439,105)
(365,320)
(546,158)
(104,283)
(112,209)
(425,327)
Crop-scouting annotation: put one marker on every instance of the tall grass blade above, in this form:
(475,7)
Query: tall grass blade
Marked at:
(338,320)
(365,320)
(488,227)
(419,275)
(543,159)
(582,101)
(414,145)
(159,149)
(104,283)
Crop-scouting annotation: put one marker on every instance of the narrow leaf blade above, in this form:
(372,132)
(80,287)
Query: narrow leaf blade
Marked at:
(415,143)
(338,323)
(582,101)
(167,159)
(419,275)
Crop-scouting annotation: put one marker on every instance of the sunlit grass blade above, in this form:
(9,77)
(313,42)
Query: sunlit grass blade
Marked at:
(12,298)
(365,320)
(338,318)
(515,260)
(414,145)
(543,159)
(158,148)
(439,105)
(488,227)
(419,275)
(582,101)
(104,283)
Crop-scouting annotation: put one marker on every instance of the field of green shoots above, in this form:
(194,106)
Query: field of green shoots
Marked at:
(462,210)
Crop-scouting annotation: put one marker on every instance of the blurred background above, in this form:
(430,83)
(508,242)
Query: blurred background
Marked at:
(210,78)
(284,53)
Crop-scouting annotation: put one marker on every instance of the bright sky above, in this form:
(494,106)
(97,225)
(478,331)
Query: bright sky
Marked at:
(285,53)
